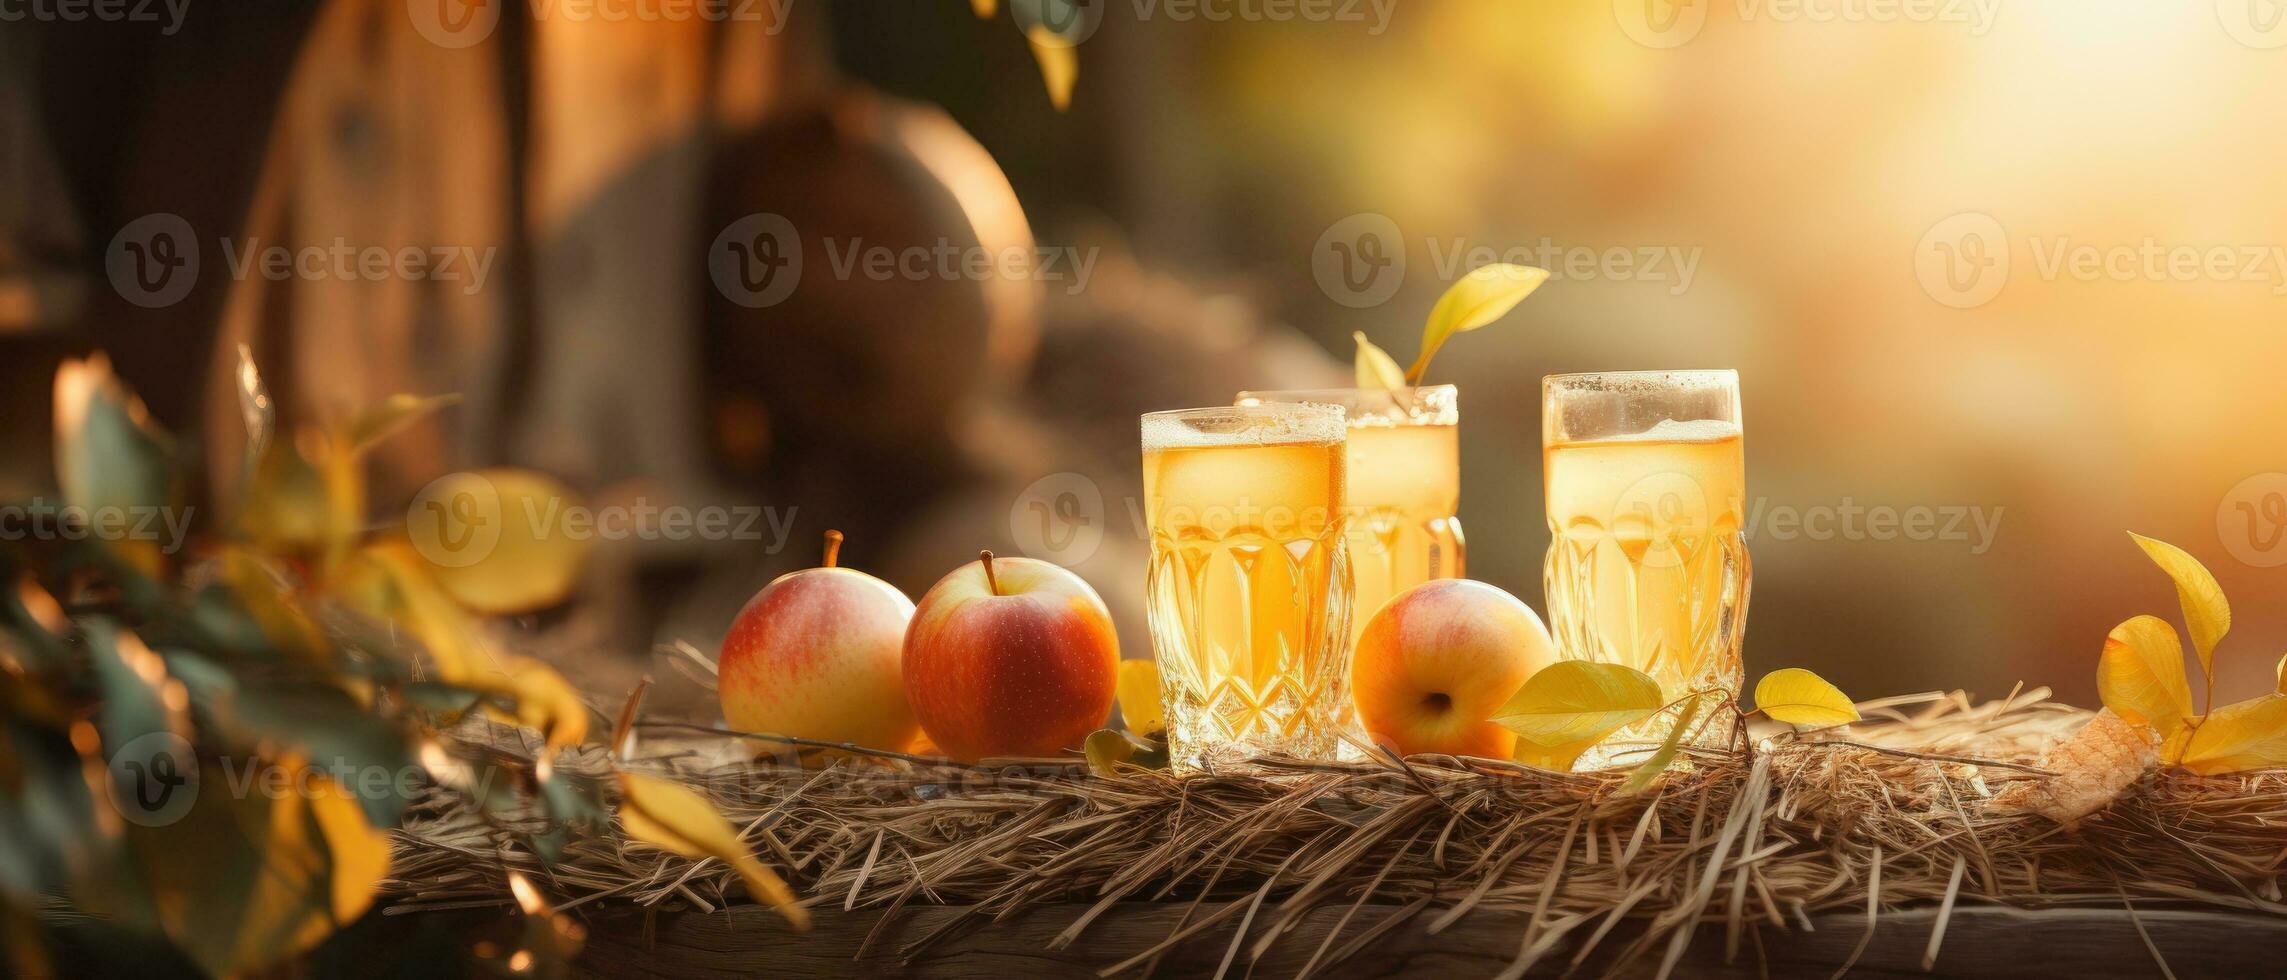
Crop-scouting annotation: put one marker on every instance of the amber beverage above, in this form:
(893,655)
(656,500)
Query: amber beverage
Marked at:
(1249,585)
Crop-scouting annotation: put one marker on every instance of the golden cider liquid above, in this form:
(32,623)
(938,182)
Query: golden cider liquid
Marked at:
(1405,486)
(1647,565)
(1249,598)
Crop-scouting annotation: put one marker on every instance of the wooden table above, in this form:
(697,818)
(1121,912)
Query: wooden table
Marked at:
(1979,942)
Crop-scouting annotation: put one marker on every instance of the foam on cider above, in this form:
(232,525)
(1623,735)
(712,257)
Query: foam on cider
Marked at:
(1670,430)
(1180,430)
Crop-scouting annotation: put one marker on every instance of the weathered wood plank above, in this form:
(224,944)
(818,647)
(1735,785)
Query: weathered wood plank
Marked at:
(1979,942)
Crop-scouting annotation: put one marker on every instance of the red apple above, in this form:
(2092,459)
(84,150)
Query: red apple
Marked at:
(815,655)
(1438,659)
(1010,657)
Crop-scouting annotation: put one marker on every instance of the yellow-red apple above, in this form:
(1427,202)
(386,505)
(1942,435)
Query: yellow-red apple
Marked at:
(1010,657)
(1438,659)
(816,654)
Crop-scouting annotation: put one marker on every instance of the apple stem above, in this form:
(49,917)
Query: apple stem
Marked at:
(833,547)
(991,582)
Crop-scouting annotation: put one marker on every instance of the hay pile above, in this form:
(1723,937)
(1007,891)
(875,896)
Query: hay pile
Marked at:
(1885,814)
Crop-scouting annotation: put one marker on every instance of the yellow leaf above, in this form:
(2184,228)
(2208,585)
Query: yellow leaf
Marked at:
(247,880)
(1140,704)
(1799,697)
(2240,737)
(1106,749)
(388,581)
(501,541)
(985,8)
(675,818)
(2280,674)
(545,702)
(1665,756)
(1558,758)
(378,422)
(1375,367)
(1059,64)
(2140,675)
(360,853)
(1570,705)
(2206,612)
(304,499)
(1484,295)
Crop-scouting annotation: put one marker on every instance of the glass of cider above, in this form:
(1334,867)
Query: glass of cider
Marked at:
(1646,487)
(1249,584)
(1404,460)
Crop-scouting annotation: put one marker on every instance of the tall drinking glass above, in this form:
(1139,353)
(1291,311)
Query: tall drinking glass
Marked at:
(1249,587)
(1647,566)
(1404,458)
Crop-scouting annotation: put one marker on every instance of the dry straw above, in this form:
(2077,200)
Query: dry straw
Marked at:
(1885,814)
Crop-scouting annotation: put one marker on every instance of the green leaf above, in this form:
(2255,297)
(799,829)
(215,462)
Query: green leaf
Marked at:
(310,719)
(1576,703)
(134,681)
(1375,368)
(1799,697)
(1664,756)
(2206,612)
(110,456)
(2140,674)
(1484,295)
(378,422)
